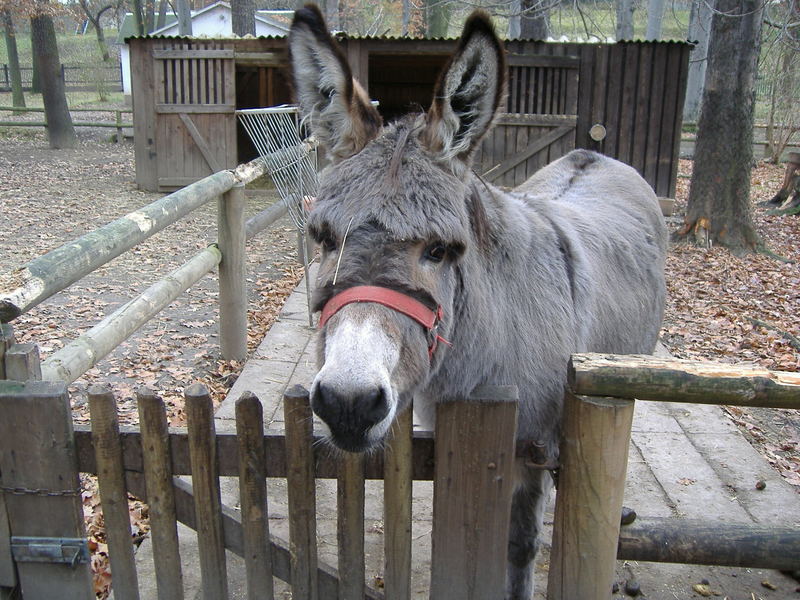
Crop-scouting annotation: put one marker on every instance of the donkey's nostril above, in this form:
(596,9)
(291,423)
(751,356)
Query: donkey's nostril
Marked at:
(350,415)
(373,406)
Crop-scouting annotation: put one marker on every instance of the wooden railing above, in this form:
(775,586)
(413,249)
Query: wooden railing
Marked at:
(51,273)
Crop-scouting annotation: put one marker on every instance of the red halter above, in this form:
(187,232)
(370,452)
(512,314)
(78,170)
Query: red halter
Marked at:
(397,301)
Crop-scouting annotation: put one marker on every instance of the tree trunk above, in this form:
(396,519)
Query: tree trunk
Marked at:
(36,85)
(60,131)
(535,24)
(514,20)
(719,197)
(406,18)
(699,29)
(243,17)
(332,14)
(184,18)
(138,17)
(655,15)
(17,96)
(101,40)
(438,21)
(624,11)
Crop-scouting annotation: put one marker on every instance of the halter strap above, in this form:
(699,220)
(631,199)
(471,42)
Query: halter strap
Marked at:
(397,301)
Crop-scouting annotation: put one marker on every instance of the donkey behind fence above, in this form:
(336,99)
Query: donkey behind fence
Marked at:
(432,282)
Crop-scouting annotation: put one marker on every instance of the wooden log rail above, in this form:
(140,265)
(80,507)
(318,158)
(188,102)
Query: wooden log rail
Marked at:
(596,433)
(672,380)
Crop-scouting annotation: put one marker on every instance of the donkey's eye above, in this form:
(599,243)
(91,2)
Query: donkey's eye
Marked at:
(328,243)
(436,252)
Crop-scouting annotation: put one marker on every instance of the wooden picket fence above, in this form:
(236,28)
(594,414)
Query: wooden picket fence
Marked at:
(471,463)
(40,480)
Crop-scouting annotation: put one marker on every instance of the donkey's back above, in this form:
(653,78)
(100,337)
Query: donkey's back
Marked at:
(615,234)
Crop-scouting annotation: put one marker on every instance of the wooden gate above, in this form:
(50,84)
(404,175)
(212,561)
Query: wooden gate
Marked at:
(539,126)
(195,96)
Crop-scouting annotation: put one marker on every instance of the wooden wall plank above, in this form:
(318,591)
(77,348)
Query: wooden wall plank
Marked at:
(660,55)
(642,111)
(628,103)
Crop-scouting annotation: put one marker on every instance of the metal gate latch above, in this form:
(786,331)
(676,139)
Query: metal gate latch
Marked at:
(70,551)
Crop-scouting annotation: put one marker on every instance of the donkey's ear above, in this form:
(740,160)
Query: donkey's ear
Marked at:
(342,118)
(468,93)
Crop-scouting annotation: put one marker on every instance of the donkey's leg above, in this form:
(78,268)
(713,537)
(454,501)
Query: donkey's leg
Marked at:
(527,515)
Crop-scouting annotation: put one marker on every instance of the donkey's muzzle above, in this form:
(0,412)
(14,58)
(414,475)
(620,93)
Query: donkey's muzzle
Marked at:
(350,416)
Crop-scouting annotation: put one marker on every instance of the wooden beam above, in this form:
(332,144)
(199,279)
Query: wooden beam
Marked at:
(44,276)
(326,467)
(163,54)
(80,355)
(200,142)
(538,144)
(543,60)
(673,380)
(687,541)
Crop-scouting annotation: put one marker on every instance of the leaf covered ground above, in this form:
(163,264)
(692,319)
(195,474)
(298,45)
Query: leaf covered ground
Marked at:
(720,307)
(742,310)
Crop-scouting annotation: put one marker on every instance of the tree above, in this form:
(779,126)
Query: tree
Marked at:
(243,17)
(719,196)
(655,16)
(17,96)
(95,14)
(535,23)
(624,12)
(437,18)
(699,28)
(184,18)
(60,131)
(332,14)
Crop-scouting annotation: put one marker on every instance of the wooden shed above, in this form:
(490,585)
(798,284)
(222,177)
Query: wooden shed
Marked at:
(624,100)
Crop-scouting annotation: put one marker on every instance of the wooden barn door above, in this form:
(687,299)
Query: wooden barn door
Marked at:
(539,125)
(195,97)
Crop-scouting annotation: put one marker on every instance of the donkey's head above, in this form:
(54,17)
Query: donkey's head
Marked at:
(395,214)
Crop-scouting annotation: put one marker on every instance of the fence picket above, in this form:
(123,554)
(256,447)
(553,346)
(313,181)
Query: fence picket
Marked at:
(473,485)
(113,493)
(397,490)
(205,484)
(156,462)
(301,493)
(350,526)
(253,494)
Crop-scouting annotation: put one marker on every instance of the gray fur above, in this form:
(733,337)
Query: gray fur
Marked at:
(571,261)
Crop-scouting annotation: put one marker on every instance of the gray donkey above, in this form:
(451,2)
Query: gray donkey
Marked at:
(432,281)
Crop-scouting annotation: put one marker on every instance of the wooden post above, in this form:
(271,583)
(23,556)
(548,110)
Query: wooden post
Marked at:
(301,492)
(253,494)
(22,363)
(6,341)
(205,483)
(350,526)
(40,465)
(232,285)
(8,572)
(397,493)
(591,482)
(472,490)
(113,493)
(160,494)
(119,126)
